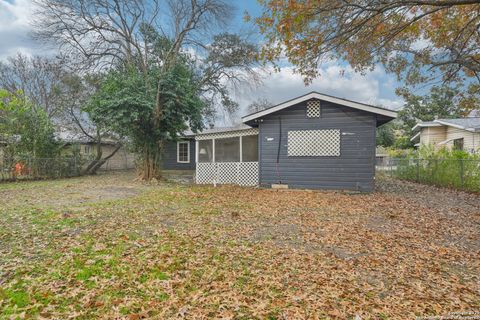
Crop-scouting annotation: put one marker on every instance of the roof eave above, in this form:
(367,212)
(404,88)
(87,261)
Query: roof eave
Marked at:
(315,95)
(446,123)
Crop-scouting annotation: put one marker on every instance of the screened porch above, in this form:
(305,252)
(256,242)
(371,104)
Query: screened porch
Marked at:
(227,157)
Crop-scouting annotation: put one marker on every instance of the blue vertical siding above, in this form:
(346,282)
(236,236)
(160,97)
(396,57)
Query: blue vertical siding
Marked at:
(354,169)
(170,157)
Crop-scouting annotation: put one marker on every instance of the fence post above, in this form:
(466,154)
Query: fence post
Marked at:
(418,170)
(462,178)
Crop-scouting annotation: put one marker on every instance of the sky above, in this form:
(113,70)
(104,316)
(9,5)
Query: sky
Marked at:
(336,78)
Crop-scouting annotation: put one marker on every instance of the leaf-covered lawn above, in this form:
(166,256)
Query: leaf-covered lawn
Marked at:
(109,247)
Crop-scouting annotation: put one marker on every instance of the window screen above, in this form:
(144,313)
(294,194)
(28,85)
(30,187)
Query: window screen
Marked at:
(227,150)
(314,143)
(205,151)
(250,148)
(183,151)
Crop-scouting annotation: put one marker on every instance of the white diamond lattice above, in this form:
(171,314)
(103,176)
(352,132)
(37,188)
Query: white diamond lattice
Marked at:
(313,108)
(314,143)
(241,173)
(227,134)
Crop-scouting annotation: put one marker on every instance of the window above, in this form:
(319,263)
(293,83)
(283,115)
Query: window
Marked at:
(183,152)
(314,143)
(87,149)
(205,151)
(227,150)
(250,148)
(313,108)
(458,144)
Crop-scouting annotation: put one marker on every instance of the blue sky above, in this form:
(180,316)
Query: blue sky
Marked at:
(375,87)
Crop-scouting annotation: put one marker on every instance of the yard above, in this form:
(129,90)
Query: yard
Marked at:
(110,247)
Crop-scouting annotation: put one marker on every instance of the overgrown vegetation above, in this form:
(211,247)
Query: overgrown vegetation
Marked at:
(443,167)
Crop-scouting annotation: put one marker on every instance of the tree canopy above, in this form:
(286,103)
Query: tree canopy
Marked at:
(420,41)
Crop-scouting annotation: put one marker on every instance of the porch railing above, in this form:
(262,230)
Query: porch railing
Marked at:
(241,173)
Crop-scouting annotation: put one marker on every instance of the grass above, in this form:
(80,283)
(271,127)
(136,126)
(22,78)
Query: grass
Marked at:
(108,247)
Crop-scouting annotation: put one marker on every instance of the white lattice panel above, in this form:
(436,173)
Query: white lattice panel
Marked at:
(205,172)
(313,108)
(314,143)
(241,173)
(227,134)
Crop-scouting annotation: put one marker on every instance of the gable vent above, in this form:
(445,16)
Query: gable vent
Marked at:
(313,108)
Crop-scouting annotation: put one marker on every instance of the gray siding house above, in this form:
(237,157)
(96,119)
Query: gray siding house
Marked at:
(315,141)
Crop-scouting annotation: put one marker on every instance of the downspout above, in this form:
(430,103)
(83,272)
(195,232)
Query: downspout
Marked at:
(278,149)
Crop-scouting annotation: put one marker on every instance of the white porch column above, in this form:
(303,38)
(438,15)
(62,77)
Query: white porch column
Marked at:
(213,150)
(197,152)
(241,157)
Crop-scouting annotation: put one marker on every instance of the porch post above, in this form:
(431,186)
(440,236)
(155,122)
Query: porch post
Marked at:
(213,150)
(196,151)
(241,157)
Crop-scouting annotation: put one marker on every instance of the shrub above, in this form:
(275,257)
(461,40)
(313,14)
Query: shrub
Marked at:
(443,167)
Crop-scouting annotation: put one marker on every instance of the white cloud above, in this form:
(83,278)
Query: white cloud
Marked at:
(375,87)
(15,17)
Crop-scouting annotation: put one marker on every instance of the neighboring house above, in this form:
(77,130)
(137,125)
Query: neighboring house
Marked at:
(461,134)
(315,141)
(123,159)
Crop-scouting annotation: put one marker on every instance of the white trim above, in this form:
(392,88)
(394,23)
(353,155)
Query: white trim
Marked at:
(213,150)
(178,151)
(316,95)
(227,134)
(441,143)
(196,151)
(415,137)
(425,125)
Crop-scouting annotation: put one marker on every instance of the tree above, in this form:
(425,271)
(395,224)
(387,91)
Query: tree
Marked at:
(39,78)
(137,35)
(125,104)
(54,88)
(420,41)
(259,105)
(27,129)
(442,102)
(385,135)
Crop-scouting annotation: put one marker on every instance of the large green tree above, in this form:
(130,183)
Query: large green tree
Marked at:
(126,103)
(442,102)
(27,128)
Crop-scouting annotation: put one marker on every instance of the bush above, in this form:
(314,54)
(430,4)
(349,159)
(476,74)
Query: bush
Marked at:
(446,168)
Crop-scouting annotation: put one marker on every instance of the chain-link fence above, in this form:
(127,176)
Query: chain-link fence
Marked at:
(52,168)
(463,174)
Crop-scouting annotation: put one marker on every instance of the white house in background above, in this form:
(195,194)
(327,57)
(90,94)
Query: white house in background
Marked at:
(461,133)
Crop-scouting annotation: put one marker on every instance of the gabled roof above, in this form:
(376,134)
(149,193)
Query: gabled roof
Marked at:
(468,124)
(315,95)
(426,124)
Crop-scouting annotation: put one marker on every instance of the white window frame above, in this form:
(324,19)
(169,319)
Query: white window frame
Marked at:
(178,151)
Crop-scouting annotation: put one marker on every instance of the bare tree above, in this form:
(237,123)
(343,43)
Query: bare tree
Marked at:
(50,85)
(39,78)
(152,33)
(259,105)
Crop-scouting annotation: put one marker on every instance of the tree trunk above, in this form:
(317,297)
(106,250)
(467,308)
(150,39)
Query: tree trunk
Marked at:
(101,162)
(152,166)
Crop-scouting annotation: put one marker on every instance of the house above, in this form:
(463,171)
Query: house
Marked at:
(460,133)
(315,141)
(87,149)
